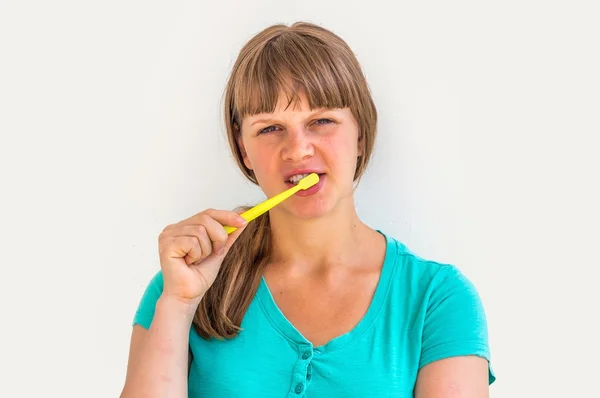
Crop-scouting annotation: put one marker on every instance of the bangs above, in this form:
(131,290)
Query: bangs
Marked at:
(288,64)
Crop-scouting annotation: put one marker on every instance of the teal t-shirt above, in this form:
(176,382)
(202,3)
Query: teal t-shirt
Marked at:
(422,311)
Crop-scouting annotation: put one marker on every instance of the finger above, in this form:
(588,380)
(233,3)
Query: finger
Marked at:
(233,237)
(196,230)
(214,221)
(207,233)
(223,217)
(199,232)
(185,247)
(215,232)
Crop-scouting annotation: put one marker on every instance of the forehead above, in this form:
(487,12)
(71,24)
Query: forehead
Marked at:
(296,103)
(288,105)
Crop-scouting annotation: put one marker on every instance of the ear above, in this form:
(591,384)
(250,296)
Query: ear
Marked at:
(240,143)
(360,145)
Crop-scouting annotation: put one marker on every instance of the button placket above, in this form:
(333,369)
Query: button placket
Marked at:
(305,354)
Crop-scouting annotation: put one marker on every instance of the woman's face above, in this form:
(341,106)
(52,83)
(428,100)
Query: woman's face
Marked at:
(293,141)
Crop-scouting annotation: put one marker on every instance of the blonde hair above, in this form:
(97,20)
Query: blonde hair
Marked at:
(281,58)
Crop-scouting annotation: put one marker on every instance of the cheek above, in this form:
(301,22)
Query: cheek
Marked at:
(340,150)
(262,159)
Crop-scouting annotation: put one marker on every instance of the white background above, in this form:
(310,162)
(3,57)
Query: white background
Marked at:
(487,157)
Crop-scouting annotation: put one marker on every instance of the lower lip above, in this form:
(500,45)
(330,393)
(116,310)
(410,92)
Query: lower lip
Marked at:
(310,191)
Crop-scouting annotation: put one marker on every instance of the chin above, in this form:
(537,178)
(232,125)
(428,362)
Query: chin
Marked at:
(309,207)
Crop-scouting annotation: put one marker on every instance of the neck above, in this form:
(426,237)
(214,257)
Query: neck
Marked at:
(319,244)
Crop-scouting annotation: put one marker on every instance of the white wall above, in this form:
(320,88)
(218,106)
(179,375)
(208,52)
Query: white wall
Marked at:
(110,130)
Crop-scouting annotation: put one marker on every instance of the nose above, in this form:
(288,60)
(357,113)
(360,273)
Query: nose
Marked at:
(297,145)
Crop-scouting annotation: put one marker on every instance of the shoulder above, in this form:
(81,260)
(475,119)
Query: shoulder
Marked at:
(154,287)
(422,272)
(145,311)
(427,283)
(442,305)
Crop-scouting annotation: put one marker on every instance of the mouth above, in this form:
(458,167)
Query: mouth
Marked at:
(295,179)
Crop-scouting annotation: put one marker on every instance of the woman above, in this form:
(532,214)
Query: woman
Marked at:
(306,300)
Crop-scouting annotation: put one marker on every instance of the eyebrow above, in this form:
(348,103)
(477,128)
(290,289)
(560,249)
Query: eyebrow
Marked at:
(270,120)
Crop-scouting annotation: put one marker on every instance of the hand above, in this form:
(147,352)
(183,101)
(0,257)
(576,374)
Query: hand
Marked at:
(191,252)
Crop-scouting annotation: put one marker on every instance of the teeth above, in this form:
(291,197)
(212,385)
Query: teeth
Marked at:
(295,179)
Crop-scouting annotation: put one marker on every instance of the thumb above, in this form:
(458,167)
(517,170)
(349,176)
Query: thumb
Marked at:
(235,234)
(232,238)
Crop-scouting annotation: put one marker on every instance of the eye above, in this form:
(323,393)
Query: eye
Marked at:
(267,130)
(323,121)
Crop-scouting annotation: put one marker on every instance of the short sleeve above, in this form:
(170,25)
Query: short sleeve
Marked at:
(455,323)
(145,311)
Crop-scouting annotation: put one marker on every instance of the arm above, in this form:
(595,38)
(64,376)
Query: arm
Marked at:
(456,377)
(191,253)
(158,357)
(455,351)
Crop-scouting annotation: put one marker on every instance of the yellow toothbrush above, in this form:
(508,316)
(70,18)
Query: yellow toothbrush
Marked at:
(268,204)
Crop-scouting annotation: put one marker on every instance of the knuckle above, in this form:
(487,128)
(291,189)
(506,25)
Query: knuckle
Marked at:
(164,246)
(193,242)
(222,236)
(162,237)
(204,218)
(201,230)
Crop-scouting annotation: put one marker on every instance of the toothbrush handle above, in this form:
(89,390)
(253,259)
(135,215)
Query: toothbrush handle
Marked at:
(265,206)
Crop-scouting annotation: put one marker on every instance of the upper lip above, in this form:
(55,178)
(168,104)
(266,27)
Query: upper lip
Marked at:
(301,171)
